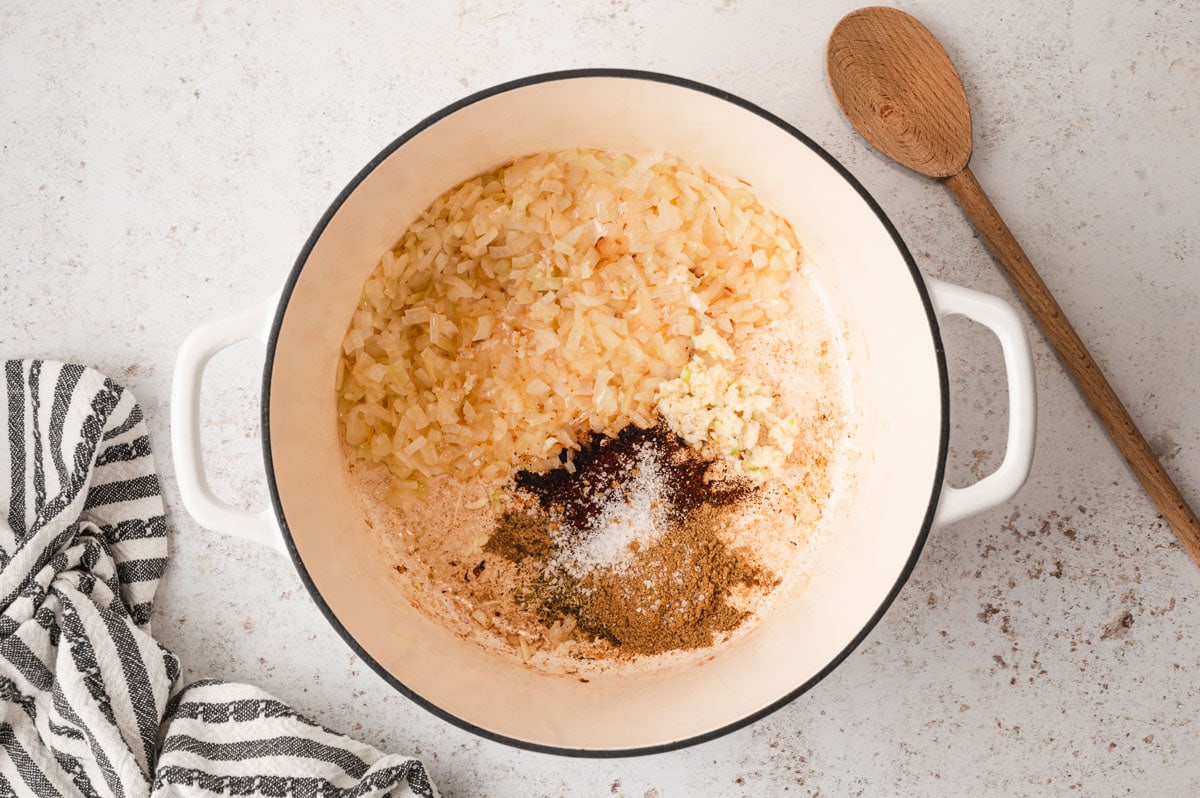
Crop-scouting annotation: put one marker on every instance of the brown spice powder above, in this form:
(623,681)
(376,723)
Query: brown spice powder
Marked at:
(576,498)
(520,535)
(675,595)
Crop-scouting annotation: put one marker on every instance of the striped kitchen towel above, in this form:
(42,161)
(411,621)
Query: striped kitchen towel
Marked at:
(90,704)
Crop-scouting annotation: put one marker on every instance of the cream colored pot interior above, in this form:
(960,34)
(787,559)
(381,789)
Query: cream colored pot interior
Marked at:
(896,392)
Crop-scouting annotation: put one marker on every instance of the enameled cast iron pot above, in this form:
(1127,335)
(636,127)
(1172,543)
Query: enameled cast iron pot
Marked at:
(900,392)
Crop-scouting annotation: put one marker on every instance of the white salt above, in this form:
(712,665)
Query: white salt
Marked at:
(632,517)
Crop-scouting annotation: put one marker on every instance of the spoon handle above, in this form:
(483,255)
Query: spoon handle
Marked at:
(1074,355)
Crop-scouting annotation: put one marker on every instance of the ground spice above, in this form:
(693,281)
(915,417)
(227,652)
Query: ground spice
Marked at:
(674,596)
(672,590)
(521,534)
(579,497)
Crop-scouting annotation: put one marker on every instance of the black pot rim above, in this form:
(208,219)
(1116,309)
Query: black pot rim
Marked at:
(673,745)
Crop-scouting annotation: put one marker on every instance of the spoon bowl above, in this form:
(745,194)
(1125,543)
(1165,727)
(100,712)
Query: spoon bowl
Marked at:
(898,87)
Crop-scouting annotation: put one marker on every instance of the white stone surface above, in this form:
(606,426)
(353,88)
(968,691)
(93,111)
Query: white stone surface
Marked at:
(162,163)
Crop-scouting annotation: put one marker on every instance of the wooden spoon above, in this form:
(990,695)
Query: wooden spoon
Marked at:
(899,89)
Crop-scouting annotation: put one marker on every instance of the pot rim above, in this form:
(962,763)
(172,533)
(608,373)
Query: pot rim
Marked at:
(683,83)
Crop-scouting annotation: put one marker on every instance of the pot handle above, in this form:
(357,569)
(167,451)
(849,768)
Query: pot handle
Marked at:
(955,504)
(199,500)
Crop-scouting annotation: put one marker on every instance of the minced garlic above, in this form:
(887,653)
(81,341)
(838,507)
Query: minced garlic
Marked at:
(726,415)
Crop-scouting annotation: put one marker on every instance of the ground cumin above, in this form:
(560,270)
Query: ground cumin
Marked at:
(675,595)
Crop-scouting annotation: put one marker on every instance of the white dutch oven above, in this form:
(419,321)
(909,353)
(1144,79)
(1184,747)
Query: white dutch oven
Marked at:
(900,389)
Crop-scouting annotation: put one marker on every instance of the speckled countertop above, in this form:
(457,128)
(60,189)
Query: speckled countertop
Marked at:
(161,164)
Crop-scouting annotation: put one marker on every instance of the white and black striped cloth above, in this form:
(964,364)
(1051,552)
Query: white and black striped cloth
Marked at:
(89,703)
